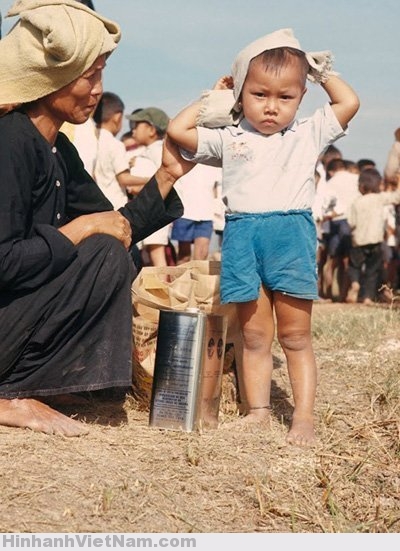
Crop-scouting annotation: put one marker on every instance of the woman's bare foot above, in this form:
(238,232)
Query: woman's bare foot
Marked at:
(65,400)
(301,432)
(33,414)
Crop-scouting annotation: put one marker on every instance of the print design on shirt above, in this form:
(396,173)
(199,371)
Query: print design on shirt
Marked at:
(240,151)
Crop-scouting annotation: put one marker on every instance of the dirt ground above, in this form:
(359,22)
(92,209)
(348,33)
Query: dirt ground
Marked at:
(127,477)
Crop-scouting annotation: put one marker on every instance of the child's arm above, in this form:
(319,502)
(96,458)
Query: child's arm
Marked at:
(344,100)
(182,128)
(133,184)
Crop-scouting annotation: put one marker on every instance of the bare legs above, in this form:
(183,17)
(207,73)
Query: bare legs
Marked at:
(33,414)
(294,335)
(257,324)
(200,249)
(157,255)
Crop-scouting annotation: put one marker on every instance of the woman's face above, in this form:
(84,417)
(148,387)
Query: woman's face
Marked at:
(75,102)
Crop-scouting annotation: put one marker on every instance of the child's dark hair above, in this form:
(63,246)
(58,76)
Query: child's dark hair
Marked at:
(108,105)
(277,58)
(351,165)
(365,163)
(336,164)
(369,181)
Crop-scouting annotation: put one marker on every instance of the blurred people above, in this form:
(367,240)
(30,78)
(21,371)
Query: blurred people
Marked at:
(85,139)
(111,171)
(129,142)
(362,164)
(367,222)
(194,229)
(148,130)
(351,166)
(321,204)
(392,166)
(390,276)
(343,189)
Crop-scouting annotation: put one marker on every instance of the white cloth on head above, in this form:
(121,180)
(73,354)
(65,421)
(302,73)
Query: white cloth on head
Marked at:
(222,109)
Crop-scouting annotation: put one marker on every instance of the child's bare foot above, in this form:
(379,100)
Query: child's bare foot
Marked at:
(208,422)
(301,432)
(254,417)
(368,302)
(352,295)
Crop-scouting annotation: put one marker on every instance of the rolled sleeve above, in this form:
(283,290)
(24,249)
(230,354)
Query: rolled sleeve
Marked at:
(149,212)
(209,150)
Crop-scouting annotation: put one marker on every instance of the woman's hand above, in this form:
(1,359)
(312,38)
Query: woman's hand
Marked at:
(109,222)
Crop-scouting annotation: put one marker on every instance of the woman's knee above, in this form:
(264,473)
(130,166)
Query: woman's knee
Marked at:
(113,259)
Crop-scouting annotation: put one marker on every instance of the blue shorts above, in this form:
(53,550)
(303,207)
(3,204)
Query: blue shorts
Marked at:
(276,249)
(188,230)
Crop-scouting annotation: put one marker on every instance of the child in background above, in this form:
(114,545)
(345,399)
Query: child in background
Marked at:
(269,247)
(194,229)
(343,188)
(111,170)
(148,129)
(367,221)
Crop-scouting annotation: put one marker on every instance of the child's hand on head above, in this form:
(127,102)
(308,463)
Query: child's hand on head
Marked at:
(224,83)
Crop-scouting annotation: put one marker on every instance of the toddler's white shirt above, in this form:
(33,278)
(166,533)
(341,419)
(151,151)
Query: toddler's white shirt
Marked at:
(268,173)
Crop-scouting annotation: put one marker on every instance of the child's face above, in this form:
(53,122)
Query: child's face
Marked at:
(270,100)
(143,133)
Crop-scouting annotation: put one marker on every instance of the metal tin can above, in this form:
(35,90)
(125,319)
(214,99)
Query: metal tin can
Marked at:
(188,370)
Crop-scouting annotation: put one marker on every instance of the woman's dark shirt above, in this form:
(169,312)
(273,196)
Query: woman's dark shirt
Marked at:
(41,189)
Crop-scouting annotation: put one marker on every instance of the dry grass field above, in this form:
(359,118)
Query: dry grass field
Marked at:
(127,477)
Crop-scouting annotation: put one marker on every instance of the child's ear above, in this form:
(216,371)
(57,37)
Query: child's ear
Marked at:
(117,117)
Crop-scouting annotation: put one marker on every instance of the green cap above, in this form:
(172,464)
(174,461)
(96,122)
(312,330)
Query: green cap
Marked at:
(152,115)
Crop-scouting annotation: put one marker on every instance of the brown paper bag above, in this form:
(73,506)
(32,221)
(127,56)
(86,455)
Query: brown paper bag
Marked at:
(194,284)
(144,335)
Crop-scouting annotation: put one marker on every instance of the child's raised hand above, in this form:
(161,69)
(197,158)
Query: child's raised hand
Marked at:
(224,83)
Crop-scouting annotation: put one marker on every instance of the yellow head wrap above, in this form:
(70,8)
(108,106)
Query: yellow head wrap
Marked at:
(53,43)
